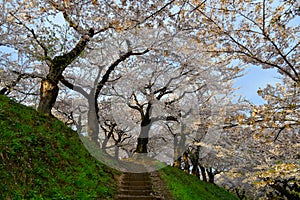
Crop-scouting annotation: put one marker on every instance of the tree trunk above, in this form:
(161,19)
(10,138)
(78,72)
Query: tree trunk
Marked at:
(195,163)
(93,125)
(177,163)
(143,138)
(179,145)
(116,152)
(186,162)
(283,187)
(104,144)
(107,137)
(48,94)
(177,153)
(203,173)
(49,86)
(195,170)
(211,175)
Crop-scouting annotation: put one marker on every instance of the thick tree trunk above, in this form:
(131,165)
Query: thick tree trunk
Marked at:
(93,125)
(48,94)
(195,170)
(143,138)
(49,86)
(3,91)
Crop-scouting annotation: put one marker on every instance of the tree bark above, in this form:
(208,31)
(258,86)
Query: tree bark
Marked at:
(283,187)
(116,152)
(107,137)
(143,138)
(179,145)
(49,86)
(203,173)
(48,94)
(211,175)
(177,157)
(146,123)
(93,125)
(195,163)
(177,163)
(186,162)
(104,144)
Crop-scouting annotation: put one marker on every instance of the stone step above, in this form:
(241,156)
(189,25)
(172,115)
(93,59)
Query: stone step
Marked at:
(135,186)
(136,174)
(136,183)
(139,178)
(128,187)
(129,197)
(135,192)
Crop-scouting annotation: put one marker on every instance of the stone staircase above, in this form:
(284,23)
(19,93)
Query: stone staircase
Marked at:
(135,186)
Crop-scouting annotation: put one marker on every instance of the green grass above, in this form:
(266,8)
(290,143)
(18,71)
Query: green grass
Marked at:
(41,158)
(188,187)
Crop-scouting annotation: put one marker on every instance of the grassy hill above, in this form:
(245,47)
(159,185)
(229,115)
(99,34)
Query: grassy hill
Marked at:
(41,157)
(188,187)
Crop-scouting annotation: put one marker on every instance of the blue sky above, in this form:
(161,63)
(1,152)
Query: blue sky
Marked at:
(255,78)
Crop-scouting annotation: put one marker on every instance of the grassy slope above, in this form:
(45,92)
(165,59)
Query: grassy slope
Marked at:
(188,187)
(41,157)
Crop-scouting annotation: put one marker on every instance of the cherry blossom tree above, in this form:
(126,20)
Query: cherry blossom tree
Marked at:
(166,89)
(166,67)
(54,34)
(265,34)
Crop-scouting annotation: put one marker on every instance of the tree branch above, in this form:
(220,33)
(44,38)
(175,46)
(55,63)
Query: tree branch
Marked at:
(153,14)
(7,89)
(111,68)
(74,87)
(42,45)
